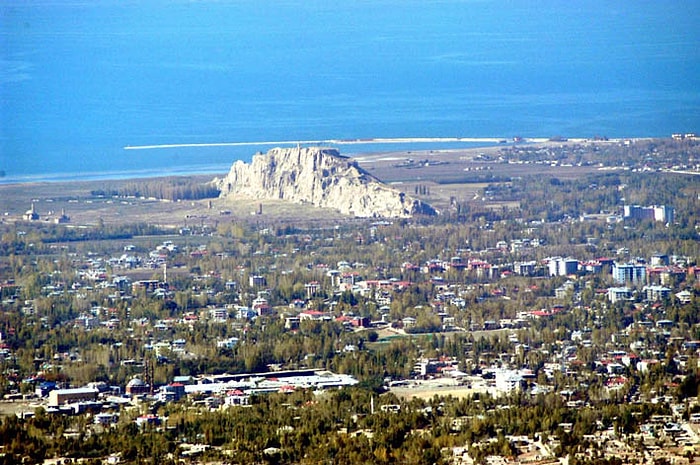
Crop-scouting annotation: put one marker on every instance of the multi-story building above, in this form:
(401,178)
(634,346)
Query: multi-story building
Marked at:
(562,266)
(629,273)
(662,213)
(616,294)
(525,268)
(654,293)
(257,281)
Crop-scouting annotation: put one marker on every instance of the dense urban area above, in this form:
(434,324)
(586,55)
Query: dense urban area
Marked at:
(544,318)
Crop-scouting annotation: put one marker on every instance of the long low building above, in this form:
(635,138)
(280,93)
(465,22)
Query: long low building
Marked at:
(252,383)
(59,397)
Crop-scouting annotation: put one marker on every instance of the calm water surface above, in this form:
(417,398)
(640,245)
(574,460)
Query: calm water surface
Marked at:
(80,80)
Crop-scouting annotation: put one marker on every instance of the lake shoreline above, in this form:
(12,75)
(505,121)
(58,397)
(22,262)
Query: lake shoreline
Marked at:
(405,145)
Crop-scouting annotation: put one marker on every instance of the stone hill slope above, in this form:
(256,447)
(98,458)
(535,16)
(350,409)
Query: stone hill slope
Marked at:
(319,176)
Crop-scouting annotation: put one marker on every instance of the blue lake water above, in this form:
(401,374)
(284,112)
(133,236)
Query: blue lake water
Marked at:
(80,80)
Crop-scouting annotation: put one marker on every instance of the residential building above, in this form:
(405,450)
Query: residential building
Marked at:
(312,289)
(562,266)
(524,268)
(629,273)
(257,281)
(219,314)
(616,294)
(171,392)
(229,343)
(662,213)
(654,293)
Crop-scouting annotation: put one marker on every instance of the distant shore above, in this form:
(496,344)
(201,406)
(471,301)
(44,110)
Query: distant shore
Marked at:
(397,140)
(443,174)
(372,147)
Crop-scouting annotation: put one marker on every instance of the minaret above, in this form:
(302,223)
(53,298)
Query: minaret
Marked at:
(31,214)
(165,273)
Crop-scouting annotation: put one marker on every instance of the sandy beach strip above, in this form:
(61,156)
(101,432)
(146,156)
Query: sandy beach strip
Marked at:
(397,140)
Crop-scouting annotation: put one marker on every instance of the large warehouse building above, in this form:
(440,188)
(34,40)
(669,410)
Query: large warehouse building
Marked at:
(59,397)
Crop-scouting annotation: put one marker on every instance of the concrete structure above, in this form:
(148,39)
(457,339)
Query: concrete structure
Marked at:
(616,294)
(562,266)
(509,380)
(219,314)
(136,386)
(525,268)
(172,392)
(31,214)
(261,307)
(276,381)
(655,212)
(314,315)
(312,289)
(59,397)
(63,218)
(257,281)
(229,343)
(629,273)
(654,293)
(43,389)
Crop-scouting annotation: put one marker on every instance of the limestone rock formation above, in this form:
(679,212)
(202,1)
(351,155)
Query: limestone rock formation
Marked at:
(319,176)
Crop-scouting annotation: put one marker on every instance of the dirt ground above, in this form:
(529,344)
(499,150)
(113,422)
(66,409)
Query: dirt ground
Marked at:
(87,210)
(428,392)
(15,407)
(434,176)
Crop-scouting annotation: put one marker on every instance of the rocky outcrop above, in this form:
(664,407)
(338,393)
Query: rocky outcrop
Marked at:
(319,176)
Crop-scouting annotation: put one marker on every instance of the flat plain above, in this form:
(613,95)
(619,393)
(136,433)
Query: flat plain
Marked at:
(438,177)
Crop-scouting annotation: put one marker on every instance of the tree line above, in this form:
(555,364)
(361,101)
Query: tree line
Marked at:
(169,188)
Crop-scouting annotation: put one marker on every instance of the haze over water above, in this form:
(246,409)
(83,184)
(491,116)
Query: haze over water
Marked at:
(80,80)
